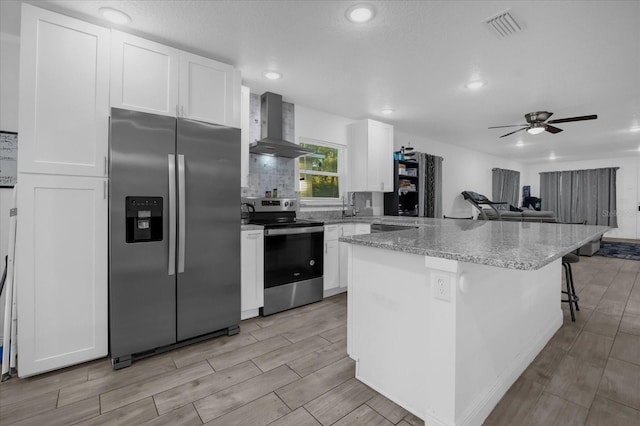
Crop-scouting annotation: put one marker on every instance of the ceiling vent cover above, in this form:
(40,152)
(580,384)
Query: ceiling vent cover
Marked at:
(504,25)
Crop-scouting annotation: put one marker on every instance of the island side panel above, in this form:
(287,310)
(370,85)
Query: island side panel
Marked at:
(504,319)
(389,304)
(447,362)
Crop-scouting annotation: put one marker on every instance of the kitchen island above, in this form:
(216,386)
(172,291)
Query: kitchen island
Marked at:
(443,318)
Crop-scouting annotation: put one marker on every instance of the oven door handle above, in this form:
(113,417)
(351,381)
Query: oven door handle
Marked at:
(293,231)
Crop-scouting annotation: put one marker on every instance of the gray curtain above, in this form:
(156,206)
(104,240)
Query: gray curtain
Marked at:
(506,186)
(581,195)
(430,181)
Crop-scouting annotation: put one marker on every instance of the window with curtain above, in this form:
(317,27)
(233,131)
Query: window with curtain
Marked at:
(581,195)
(505,186)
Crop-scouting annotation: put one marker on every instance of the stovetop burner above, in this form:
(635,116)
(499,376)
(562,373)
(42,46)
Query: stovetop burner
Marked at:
(276,213)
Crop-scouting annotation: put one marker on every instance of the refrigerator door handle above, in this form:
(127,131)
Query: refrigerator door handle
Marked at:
(172,214)
(181,213)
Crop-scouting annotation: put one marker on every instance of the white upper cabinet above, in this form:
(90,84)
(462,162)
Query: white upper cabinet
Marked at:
(151,77)
(371,156)
(144,75)
(64,95)
(209,90)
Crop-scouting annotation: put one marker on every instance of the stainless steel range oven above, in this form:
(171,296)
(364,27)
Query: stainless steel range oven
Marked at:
(293,254)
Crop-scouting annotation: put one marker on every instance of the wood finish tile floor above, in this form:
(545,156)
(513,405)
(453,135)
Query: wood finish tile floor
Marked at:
(292,369)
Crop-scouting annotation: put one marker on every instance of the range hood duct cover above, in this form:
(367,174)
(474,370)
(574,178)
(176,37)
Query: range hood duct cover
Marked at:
(272,142)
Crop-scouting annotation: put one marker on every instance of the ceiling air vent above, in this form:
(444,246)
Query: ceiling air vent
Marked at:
(504,25)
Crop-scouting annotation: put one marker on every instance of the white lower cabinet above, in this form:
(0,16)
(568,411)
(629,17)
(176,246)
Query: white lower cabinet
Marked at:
(335,255)
(252,275)
(61,267)
(331,274)
(348,230)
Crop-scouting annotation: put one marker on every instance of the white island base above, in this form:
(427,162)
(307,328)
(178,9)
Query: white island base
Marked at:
(448,362)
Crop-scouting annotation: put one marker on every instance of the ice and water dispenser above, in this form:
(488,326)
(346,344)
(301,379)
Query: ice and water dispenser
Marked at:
(144,219)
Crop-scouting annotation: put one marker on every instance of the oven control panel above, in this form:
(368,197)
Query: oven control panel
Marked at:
(271,204)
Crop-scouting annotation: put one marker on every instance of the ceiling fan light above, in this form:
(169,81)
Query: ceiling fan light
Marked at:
(536,129)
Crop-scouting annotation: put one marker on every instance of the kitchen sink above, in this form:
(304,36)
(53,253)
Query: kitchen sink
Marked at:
(383,227)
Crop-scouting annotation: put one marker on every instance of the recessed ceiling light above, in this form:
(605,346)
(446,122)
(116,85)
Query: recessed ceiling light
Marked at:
(387,111)
(361,13)
(272,75)
(474,85)
(114,16)
(552,156)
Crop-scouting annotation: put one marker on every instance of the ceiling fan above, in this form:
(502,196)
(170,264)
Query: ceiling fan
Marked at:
(537,123)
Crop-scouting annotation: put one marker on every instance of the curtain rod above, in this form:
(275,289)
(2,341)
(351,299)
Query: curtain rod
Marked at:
(581,170)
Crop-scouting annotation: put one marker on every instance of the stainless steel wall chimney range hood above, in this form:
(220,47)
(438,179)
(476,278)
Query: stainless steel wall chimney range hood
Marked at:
(272,142)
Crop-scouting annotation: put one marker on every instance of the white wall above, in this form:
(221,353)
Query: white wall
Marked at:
(627,191)
(322,126)
(9,66)
(462,170)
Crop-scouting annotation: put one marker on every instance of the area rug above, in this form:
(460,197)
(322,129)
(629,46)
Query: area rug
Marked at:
(629,251)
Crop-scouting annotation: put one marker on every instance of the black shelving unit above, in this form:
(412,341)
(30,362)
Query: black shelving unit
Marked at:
(403,201)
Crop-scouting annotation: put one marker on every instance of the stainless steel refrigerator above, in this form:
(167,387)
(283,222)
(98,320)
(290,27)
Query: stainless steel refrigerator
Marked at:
(174,246)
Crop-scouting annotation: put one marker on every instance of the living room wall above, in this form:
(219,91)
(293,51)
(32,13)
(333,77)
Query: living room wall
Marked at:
(462,170)
(627,190)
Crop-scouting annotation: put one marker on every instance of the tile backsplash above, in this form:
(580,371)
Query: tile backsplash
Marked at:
(267,173)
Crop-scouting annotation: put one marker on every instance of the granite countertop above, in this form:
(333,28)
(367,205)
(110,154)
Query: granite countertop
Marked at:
(512,245)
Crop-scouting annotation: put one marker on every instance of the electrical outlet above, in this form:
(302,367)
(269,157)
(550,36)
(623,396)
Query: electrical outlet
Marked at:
(442,287)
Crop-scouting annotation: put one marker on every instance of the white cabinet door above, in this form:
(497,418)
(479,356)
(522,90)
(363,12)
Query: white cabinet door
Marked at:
(331,265)
(331,275)
(347,230)
(209,90)
(245,98)
(371,156)
(252,278)
(61,263)
(380,156)
(64,95)
(144,75)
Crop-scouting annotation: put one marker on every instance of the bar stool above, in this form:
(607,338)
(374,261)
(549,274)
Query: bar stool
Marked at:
(572,297)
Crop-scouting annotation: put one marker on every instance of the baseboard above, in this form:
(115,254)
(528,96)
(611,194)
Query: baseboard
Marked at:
(249,313)
(333,292)
(486,402)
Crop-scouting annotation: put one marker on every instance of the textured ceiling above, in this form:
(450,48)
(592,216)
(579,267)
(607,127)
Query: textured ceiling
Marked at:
(572,58)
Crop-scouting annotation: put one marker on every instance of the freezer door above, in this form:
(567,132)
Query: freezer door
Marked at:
(208,265)
(142,301)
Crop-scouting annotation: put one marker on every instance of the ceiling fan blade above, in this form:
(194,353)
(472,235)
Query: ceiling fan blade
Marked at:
(515,131)
(514,125)
(552,129)
(567,120)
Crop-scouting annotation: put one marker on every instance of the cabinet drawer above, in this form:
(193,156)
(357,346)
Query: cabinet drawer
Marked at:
(331,232)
